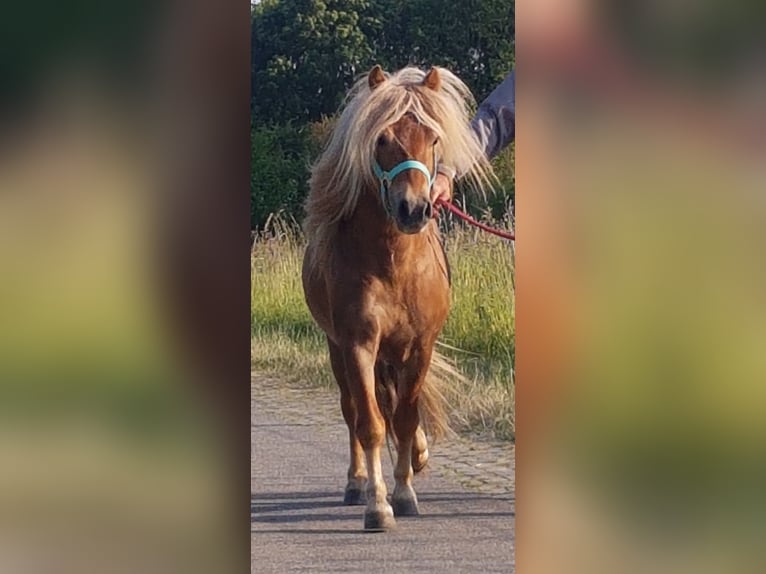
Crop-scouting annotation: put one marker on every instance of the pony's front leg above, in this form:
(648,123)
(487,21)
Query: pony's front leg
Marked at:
(370,430)
(357,472)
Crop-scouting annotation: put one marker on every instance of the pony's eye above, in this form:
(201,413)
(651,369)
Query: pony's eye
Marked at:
(382,140)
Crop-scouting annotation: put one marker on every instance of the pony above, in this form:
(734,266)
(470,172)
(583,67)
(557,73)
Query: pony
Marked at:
(375,275)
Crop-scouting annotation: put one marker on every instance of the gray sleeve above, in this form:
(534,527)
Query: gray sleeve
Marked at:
(495,121)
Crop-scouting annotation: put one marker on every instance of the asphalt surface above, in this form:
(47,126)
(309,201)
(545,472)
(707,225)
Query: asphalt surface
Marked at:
(299,459)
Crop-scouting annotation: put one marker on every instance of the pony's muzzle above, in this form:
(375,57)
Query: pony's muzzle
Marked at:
(412,216)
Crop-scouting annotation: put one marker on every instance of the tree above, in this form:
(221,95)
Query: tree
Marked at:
(278,171)
(306,54)
(472,38)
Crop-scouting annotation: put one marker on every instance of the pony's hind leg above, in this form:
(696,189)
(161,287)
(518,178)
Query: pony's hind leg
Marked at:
(357,471)
(370,430)
(419,450)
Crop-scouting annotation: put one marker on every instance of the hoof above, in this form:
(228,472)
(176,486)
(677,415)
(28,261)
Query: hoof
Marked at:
(354,497)
(405,507)
(378,521)
(419,461)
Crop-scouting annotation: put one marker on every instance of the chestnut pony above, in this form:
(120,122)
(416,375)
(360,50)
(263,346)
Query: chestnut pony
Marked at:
(374,274)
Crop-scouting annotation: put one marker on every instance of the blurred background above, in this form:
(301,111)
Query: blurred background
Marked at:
(124,397)
(641,308)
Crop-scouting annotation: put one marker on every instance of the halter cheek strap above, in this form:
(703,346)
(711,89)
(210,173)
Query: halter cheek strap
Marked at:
(386,177)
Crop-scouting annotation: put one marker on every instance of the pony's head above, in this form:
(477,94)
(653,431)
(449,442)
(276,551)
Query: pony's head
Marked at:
(411,116)
(405,160)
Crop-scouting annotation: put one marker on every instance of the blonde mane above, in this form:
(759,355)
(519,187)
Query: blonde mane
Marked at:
(343,172)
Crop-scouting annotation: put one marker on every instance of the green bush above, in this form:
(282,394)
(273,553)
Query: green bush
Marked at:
(282,154)
(280,157)
(498,201)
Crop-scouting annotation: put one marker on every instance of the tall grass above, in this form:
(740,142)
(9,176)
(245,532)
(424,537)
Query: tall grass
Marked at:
(478,336)
(480,330)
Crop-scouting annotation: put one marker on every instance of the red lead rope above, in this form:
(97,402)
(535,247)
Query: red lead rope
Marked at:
(465,217)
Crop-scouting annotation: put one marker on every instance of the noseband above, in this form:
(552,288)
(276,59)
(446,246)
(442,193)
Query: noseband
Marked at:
(386,177)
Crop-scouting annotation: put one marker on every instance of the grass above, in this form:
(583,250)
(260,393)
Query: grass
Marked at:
(478,336)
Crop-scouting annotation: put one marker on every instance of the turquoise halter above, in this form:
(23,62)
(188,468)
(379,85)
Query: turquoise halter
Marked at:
(386,177)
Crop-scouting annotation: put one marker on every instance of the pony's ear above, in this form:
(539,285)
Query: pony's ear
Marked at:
(433,80)
(376,77)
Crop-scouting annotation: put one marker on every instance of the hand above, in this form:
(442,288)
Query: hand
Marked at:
(441,189)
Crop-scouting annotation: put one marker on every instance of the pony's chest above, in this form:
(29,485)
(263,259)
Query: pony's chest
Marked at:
(407,309)
(404,298)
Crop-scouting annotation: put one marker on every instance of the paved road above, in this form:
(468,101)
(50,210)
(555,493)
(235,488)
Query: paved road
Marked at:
(298,523)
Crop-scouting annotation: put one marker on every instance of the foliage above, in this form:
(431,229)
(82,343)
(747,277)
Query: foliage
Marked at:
(497,203)
(307,53)
(278,172)
(473,38)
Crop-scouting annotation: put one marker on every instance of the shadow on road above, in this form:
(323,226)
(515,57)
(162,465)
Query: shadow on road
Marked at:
(293,508)
(290,508)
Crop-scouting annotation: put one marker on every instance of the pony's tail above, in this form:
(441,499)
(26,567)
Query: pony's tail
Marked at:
(432,405)
(441,380)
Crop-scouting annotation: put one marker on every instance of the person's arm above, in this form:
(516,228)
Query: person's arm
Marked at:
(495,122)
(495,127)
